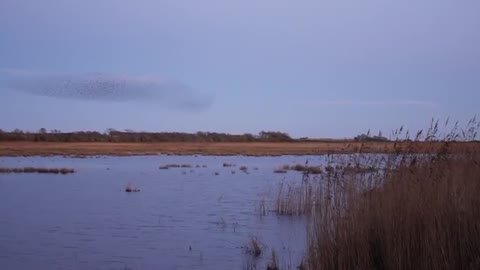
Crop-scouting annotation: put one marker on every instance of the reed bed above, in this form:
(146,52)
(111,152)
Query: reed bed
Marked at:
(401,211)
(424,215)
(294,199)
(37,170)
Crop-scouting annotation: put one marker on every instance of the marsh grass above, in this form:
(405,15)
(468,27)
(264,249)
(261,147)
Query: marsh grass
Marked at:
(295,199)
(401,211)
(37,170)
(424,215)
(262,207)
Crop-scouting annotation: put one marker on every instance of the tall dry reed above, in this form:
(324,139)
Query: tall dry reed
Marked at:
(417,212)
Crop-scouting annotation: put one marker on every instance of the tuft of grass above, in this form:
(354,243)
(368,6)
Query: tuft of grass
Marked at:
(356,169)
(217,173)
(302,168)
(295,199)
(243,168)
(168,166)
(280,170)
(66,170)
(228,165)
(262,207)
(254,247)
(131,188)
(250,265)
(273,264)
(37,170)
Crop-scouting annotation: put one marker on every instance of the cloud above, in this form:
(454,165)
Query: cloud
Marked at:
(105,87)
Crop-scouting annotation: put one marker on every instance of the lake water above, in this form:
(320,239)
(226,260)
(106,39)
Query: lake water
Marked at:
(183,218)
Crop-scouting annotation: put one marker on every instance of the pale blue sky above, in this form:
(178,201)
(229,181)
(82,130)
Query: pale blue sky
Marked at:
(309,68)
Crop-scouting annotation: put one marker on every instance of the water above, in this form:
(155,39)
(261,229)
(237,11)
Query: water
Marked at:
(185,218)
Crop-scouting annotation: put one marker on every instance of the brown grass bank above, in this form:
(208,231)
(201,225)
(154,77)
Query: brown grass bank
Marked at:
(203,148)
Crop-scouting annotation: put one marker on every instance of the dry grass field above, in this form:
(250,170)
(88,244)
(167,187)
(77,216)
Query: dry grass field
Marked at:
(237,148)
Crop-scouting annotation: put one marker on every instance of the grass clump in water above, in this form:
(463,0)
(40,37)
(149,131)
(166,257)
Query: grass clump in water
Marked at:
(254,247)
(37,170)
(302,168)
(168,166)
(295,199)
(228,165)
(273,264)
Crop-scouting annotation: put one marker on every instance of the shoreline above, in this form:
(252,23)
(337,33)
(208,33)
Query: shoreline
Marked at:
(86,149)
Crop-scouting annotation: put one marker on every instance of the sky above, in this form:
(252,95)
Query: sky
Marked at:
(308,68)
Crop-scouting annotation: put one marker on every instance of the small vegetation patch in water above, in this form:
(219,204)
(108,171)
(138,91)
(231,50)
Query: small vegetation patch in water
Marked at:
(131,188)
(168,166)
(254,247)
(302,168)
(273,264)
(228,165)
(37,170)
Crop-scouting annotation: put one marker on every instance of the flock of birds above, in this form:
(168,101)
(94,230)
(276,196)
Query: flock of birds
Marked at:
(106,87)
(93,87)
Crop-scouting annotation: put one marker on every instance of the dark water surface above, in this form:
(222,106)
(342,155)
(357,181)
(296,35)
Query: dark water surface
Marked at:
(185,218)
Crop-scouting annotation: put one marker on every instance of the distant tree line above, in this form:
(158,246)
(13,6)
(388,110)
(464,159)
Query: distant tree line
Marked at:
(112,135)
(371,138)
